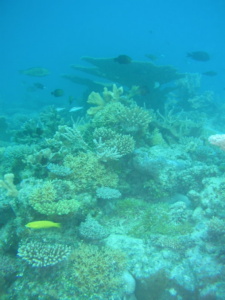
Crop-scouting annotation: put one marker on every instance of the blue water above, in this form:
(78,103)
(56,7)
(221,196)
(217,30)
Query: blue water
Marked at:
(56,34)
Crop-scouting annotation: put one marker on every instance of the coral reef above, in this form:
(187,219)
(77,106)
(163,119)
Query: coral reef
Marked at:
(98,271)
(8,184)
(138,193)
(41,254)
(91,230)
(89,173)
(105,192)
(52,197)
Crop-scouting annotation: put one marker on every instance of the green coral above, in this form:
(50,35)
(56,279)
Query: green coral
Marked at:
(155,219)
(107,141)
(100,101)
(109,115)
(97,271)
(47,198)
(135,120)
(156,190)
(129,207)
(89,173)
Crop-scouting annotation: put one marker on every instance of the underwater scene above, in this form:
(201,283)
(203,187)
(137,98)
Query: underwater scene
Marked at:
(112,150)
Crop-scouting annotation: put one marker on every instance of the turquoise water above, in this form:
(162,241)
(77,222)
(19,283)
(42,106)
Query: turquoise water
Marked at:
(112,150)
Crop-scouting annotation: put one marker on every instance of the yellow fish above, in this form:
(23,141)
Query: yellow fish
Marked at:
(42,224)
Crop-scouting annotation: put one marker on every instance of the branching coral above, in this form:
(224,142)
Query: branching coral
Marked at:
(134,120)
(98,271)
(100,101)
(42,254)
(91,230)
(53,198)
(110,145)
(89,172)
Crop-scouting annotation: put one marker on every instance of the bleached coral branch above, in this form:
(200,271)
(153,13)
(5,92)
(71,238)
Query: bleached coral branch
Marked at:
(104,152)
(218,140)
(7,184)
(73,136)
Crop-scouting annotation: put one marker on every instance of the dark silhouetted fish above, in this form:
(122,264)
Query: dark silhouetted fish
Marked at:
(210,73)
(123,59)
(151,57)
(36,72)
(58,93)
(39,86)
(199,55)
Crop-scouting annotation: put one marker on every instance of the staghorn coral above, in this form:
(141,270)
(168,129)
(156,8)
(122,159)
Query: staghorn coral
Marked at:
(70,136)
(42,254)
(111,145)
(89,172)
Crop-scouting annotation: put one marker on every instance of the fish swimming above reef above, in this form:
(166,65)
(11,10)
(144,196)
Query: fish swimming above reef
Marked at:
(42,224)
(210,73)
(36,72)
(123,59)
(152,57)
(39,86)
(57,93)
(199,55)
(75,108)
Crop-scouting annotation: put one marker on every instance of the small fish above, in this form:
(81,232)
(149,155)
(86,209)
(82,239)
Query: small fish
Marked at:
(76,108)
(71,99)
(36,72)
(210,73)
(151,57)
(199,55)
(42,224)
(58,109)
(123,59)
(57,93)
(39,86)
(156,85)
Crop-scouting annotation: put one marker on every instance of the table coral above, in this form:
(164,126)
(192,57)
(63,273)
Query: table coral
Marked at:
(42,254)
